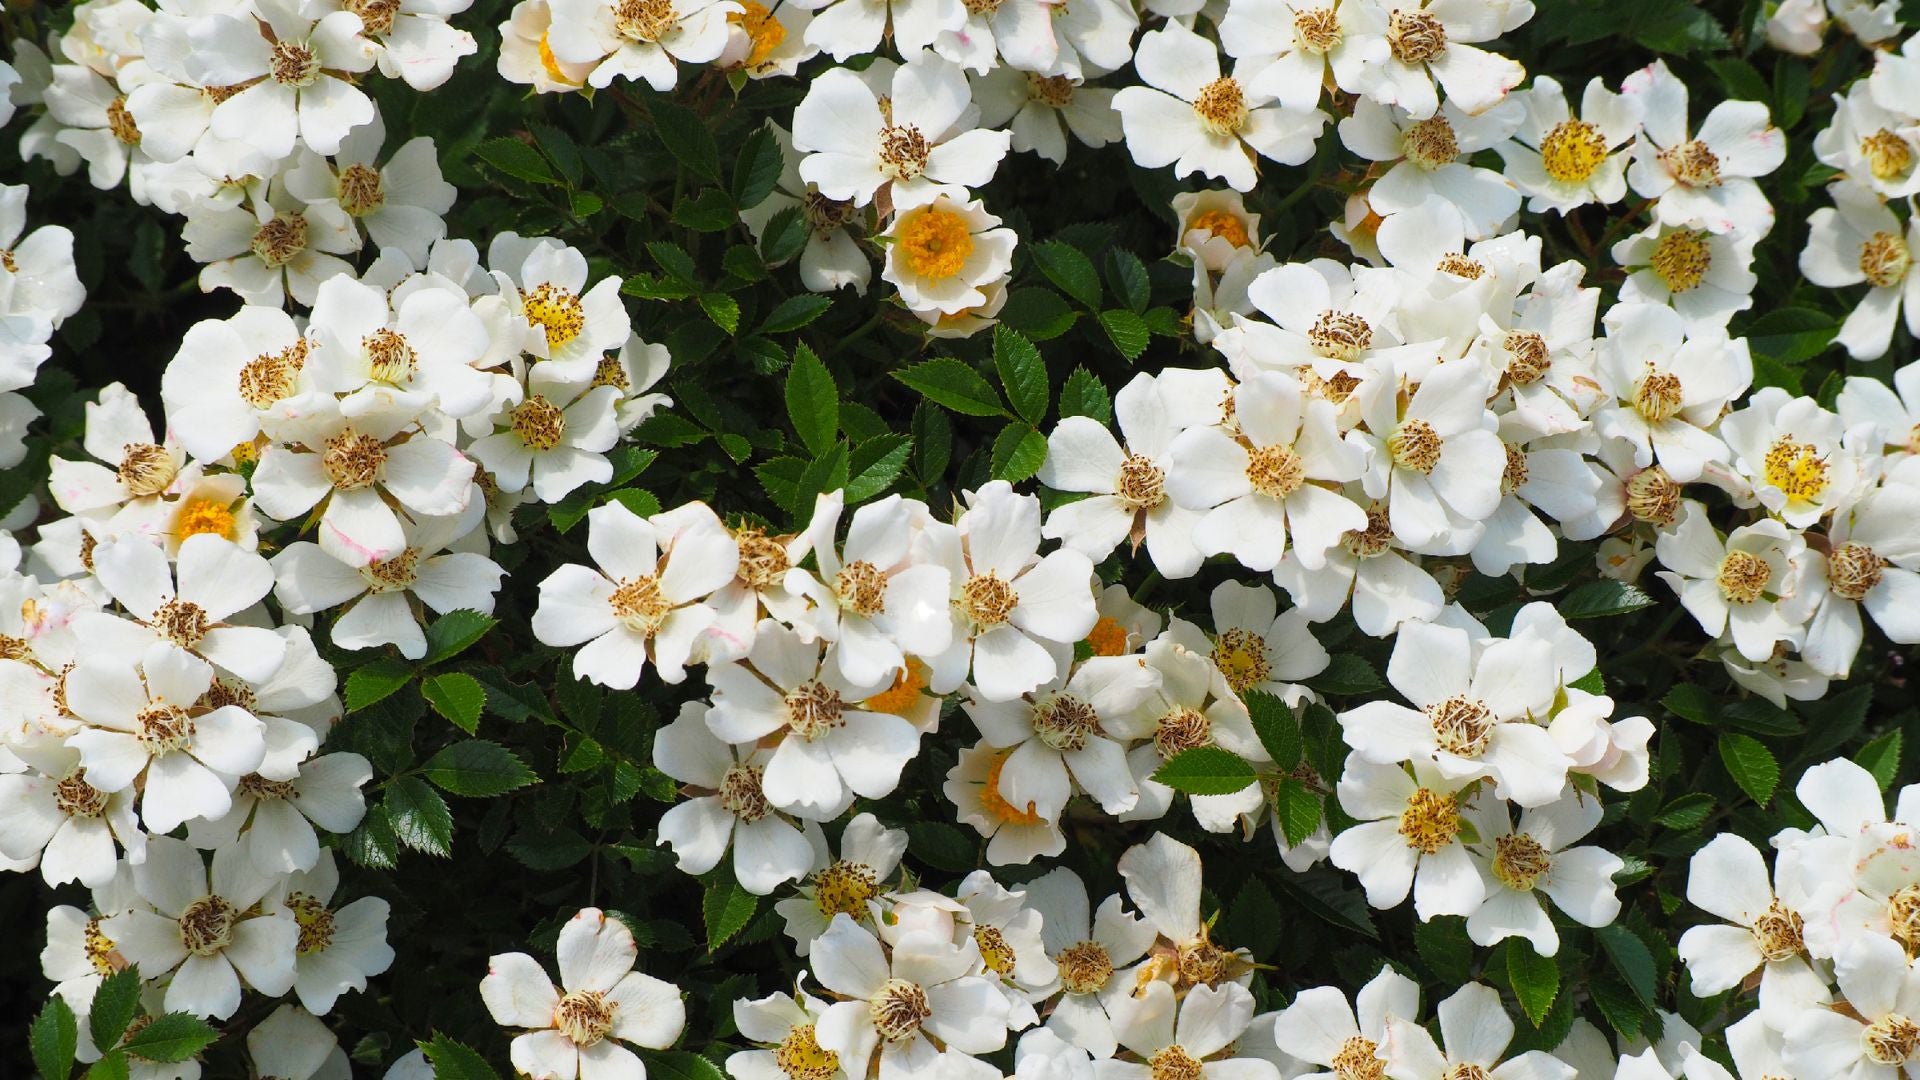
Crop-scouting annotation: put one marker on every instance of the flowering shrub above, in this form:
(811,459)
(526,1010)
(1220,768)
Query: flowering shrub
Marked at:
(923,540)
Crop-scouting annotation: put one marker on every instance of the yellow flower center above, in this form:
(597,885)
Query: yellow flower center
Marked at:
(1431,143)
(204,516)
(1884,259)
(1182,729)
(1108,637)
(1173,1063)
(280,241)
(1461,725)
(845,888)
(1416,445)
(898,1010)
(1659,395)
(1317,30)
(1241,655)
(1519,860)
(146,469)
(1889,157)
(557,311)
(934,242)
(1853,570)
(1085,967)
(1797,469)
(584,1017)
(1340,335)
(801,1056)
(1681,259)
(1223,224)
(1358,1059)
(539,423)
(1415,37)
(988,600)
(206,926)
(1221,106)
(120,122)
(1430,822)
(1573,151)
(1778,933)
(639,605)
(1692,164)
(644,20)
(764,31)
(1743,577)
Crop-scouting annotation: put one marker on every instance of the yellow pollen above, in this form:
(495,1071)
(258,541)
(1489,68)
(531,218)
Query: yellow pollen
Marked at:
(1778,933)
(1182,729)
(1903,917)
(1108,637)
(584,1017)
(1241,655)
(315,921)
(556,311)
(845,888)
(146,469)
(292,63)
(903,152)
(280,241)
(206,926)
(1373,540)
(1415,37)
(813,709)
(639,605)
(1743,577)
(1085,967)
(996,805)
(1416,446)
(1517,473)
(1797,469)
(1889,157)
(539,423)
(1461,725)
(1573,151)
(1853,570)
(198,516)
(1053,91)
(988,600)
(1430,143)
(1519,860)
(862,588)
(763,30)
(552,63)
(1141,484)
(1221,106)
(1884,259)
(1223,224)
(741,794)
(1358,1059)
(1659,395)
(995,952)
(1891,1040)
(1317,30)
(1528,357)
(1681,259)
(1430,822)
(1173,1063)
(1340,335)
(1653,496)
(353,460)
(1692,164)
(898,1010)
(120,122)
(644,20)
(933,242)
(763,560)
(801,1056)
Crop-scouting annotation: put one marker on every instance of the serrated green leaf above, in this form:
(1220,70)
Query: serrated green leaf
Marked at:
(372,844)
(1592,682)
(455,632)
(784,236)
(687,139)
(813,401)
(53,1039)
(757,170)
(681,1065)
(1686,812)
(932,440)
(1127,331)
(477,768)
(1535,979)
(1444,947)
(1254,919)
(1275,726)
(795,312)
(1085,395)
(727,908)
(516,159)
(455,1061)
(420,816)
(1206,770)
(1067,267)
(876,463)
(724,310)
(115,1003)
(1038,313)
(171,1037)
(1690,701)
(1791,335)
(1631,959)
(954,385)
(1022,374)
(1128,278)
(1347,674)
(1751,765)
(942,846)
(112,1066)
(560,149)
(456,696)
(1298,809)
(1600,598)
(1018,453)
(1881,757)
(376,681)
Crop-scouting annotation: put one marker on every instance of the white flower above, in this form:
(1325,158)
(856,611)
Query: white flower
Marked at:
(1428,158)
(97,123)
(1893,411)
(217,579)
(280,247)
(1410,838)
(850,885)
(893,1005)
(526,57)
(1091,950)
(1705,276)
(847,28)
(130,461)
(295,71)
(69,826)
(872,597)
(1525,867)
(417,355)
(1190,116)
(1020,32)
(228,373)
(1475,1029)
(1216,229)
(401,204)
(1256,489)
(273,820)
(1871,563)
(942,256)
(1728,878)
(1300,40)
(545,283)
(1127,485)
(1565,161)
(1667,387)
(412,41)
(1192,706)
(642,40)
(1474,712)
(642,603)
(767,850)
(1751,584)
(1790,451)
(768,43)
(1259,650)
(41,281)
(293,1044)
(1706,180)
(789,1024)
(829,750)
(923,145)
(554,434)
(1386,588)
(832,259)
(339,948)
(605,1003)
(1858,239)
(1016,834)
(1428,42)
(1876,1037)
(1056,737)
(1204,1024)
(1041,111)
(1320,1027)
(1437,462)
(198,926)
(1874,146)
(154,721)
(1012,608)
(1163,879)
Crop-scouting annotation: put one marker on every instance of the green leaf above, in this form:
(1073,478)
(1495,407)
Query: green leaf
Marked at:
(1085,395)
(1069,269)
(813,401)
(784,236)
(1347,674)
(724,310)
(1686,812)
(681,1065)
(172,1037)
(1690,701)
(1791,335)
(477,768)
(1018,453)
(1206,770)
(1881,757)
(1631,959)
(1022,373)
(1535,979)
(876,464)
(115,1003)
(1742,80)
(1128,278)
(727,908)
(1127,331)
(53,1039)
(1038,313)
(375,682)
(457,696)
(708,211)
(456,1061)
(1278,731)
(1599,598)
(1445,948)
(1592,682)
(1298,809)
(687,139)
(456,632)
(950,383)
(372,843)
(1751,765)
(516,159)
(420,816)
(942,846)
(560,149)
(1254,919)
(932,440)
(756,170)
(795,312)
(112,1066)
